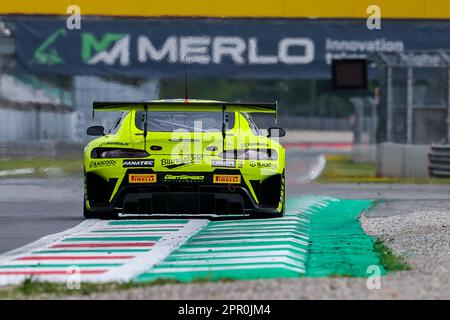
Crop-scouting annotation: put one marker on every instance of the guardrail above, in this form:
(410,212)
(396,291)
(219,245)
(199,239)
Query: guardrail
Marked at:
(439,161)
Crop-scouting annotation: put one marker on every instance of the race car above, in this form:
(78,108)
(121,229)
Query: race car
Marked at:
(184,157)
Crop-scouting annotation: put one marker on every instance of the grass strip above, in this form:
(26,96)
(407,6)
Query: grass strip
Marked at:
(388,258)
(41,167)
(342,169)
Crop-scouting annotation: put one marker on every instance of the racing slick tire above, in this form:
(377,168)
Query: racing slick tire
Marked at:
(273,214)
(267,215)
(88,214)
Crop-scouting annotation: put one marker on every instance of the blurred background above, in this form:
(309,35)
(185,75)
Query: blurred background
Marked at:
(56,58)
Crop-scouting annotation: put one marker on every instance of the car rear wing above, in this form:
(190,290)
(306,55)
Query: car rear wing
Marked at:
(186,105)
(189,106)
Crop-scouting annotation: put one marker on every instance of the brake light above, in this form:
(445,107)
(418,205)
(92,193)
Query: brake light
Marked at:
(118,153)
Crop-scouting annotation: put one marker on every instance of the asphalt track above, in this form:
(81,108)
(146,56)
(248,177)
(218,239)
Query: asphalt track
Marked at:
(33,208)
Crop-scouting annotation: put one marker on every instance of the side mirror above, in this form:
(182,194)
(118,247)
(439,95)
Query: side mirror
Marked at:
(95,131)
(276,132)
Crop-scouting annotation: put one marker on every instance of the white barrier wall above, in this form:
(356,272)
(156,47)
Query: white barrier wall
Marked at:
(31,124)
(364,153)
(402,160)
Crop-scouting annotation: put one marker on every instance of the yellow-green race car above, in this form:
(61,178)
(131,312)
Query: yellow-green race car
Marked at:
(184,157)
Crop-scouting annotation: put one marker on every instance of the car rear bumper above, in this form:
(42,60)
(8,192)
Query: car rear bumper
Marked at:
(204,200)
(179,198)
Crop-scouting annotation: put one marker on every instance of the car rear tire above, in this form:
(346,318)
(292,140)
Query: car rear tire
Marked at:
(267,215)
(88,214)
(275,214)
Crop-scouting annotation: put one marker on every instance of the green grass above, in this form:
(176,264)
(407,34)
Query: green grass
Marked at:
(31,288)
(37,289)
(42,167)
(342,169)
(388,259)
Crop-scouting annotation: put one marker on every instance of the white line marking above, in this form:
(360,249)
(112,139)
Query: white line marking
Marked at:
(243,248)
(292,231)
(5,173)
(68,261)
(237,261)
(48,240)
(128,269)
(260,235)
(304,243)
(315,170)
(237,254)
(159,252)
(142,227)
(123,234)
(260,266)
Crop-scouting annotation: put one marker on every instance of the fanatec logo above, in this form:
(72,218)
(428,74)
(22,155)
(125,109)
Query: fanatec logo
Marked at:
(138,163)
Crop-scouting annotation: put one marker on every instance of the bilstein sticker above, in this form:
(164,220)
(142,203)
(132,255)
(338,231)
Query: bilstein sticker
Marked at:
(142,178)
(178,162)
(226,178)
(138,163)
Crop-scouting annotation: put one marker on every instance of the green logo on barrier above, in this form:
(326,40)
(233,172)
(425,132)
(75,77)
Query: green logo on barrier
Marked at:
(45,54)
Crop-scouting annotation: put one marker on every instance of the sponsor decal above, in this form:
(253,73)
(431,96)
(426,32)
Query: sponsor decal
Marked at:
(102,163)
(183,178)
(269,47)
(142,178)
(223,163)
(226,178)
(114,143)
(46,54)
(131,49)
(263,165)
(138,163)
(179,162)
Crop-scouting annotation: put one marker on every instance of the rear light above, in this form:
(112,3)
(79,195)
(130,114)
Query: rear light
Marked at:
(250,154)
(118,153)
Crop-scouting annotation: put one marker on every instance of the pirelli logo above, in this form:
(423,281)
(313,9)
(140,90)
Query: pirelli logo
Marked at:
(227,178)
(142,178)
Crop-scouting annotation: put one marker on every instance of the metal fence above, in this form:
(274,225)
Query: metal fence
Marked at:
(414,96)
(365,120)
